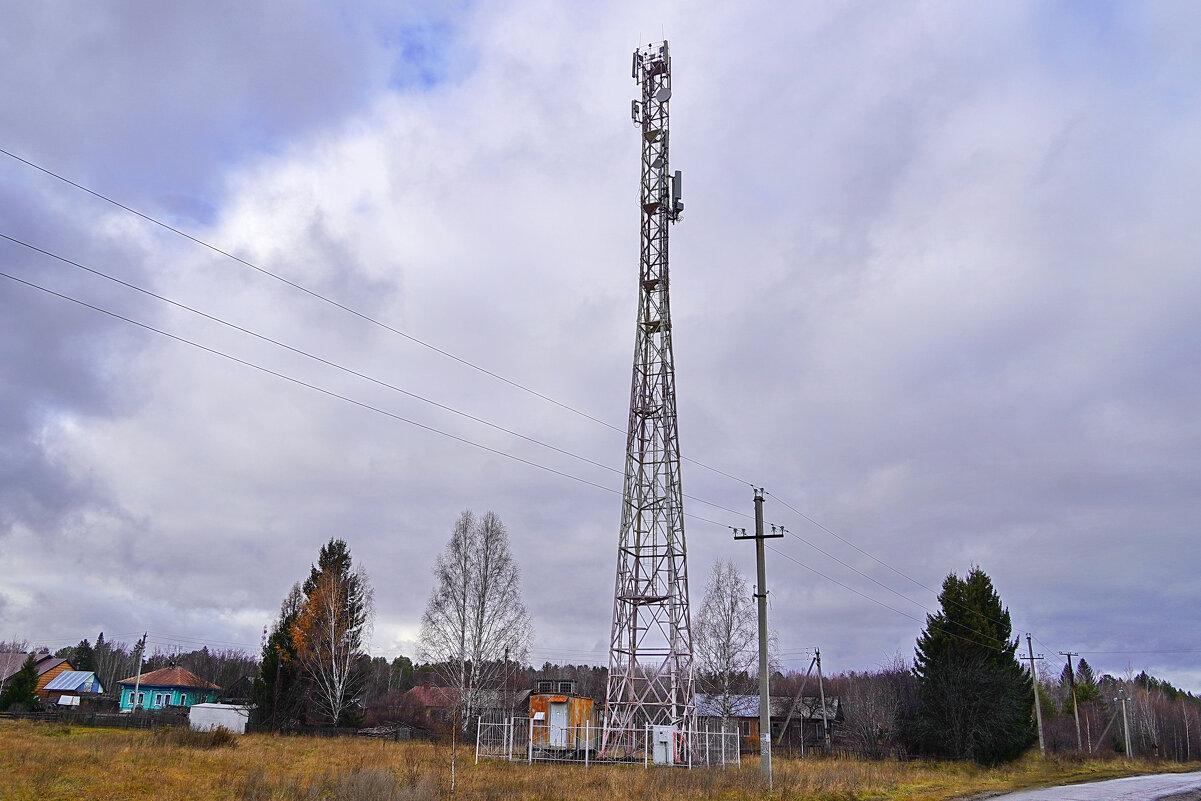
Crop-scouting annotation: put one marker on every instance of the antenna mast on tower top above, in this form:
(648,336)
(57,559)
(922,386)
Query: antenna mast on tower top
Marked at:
(650,650)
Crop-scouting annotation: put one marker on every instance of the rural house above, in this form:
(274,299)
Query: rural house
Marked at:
(804,724)
(169,686)
(47,666)
(69,687)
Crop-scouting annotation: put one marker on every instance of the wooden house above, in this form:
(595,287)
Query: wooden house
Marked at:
(169,686)
(794,723)
(46,665)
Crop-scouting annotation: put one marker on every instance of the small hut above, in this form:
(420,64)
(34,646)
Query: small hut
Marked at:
(561,719)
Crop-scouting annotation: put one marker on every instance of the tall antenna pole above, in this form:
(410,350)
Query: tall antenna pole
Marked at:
(650,651)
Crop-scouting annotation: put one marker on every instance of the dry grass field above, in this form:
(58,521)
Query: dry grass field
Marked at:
(48,762)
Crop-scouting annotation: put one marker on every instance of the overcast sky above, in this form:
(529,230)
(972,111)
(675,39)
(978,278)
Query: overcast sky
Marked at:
(937,288)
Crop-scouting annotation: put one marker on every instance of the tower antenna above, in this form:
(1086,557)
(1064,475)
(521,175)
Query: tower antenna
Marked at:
(650,651)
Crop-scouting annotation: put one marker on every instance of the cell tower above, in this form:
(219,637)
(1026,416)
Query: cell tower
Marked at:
(650,651)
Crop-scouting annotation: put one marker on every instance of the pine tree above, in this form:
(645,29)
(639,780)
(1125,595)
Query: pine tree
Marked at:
(21,689)
(82,657)
(974,698)
(279,689)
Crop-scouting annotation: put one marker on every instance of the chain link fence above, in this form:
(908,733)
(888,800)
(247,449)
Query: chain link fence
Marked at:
(525,740)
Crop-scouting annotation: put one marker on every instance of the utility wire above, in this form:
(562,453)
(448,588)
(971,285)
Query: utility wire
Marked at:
(299,382)
(961,637)
(418,397)
(834,534)
(331,393)
(305,353)
(348,309)
(337,366)
(423,343)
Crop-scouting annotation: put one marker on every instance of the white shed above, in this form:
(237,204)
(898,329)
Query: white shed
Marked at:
(206,717)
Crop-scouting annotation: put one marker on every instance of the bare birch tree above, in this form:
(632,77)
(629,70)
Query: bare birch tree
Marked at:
(331,628)
(475,611)
(726,637)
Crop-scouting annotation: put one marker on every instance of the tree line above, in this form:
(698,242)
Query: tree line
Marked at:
(966,694)
(475,632)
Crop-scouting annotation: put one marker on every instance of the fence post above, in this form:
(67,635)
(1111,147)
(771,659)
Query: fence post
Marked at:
(646,747)
(588,739)
(479,725)
(529,753)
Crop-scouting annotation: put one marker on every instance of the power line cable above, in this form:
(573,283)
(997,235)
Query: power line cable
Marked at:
(348,309)
(337,366)
(331,393)
(894,609)
(834,534)
(306,354)
(436,349)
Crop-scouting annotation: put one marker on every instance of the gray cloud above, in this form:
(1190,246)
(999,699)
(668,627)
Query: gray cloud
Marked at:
(935,288)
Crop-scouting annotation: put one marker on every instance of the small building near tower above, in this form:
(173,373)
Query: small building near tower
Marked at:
(561,719)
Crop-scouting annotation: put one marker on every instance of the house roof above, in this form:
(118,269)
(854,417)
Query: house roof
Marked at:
(747,706)
(433,697)
(11,662)
(447,697)
(170,677)
(74,681)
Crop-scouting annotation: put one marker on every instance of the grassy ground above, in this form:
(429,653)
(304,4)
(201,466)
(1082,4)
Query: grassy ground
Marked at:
(49,761)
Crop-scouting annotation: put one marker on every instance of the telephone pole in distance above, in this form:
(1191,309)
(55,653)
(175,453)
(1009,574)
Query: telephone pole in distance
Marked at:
(1075,707)
(1038,707)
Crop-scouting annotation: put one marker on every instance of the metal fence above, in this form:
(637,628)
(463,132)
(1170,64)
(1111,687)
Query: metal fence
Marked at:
(525,740)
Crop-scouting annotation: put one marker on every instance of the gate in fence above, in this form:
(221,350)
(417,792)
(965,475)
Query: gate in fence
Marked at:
(525,740)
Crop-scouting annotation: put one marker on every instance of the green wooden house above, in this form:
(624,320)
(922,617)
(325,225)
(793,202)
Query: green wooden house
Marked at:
(169,686)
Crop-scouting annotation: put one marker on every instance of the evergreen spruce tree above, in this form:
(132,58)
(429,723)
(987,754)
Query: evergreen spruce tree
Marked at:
(974,699)
(21,689)
(279,688)
(82,657)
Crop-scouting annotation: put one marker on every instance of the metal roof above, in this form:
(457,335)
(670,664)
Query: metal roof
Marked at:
(170,677)
(75,681)
(747,706)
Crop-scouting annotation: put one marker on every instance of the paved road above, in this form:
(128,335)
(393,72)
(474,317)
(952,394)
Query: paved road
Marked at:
(1185,786)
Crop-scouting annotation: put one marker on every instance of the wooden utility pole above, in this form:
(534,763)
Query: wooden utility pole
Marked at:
(1075,706)
(761,597)
(1125,722)
(821,689)
(137,682)
(1038,706)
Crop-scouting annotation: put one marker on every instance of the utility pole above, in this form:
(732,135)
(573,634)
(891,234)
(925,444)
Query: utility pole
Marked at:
(1184,714)
(1125,722)
(1038,706)
(1075,706)
(761,597)
(821,689)
(137,682)
(275,686)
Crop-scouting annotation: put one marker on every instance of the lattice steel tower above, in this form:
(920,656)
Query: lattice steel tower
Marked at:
(650,651)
